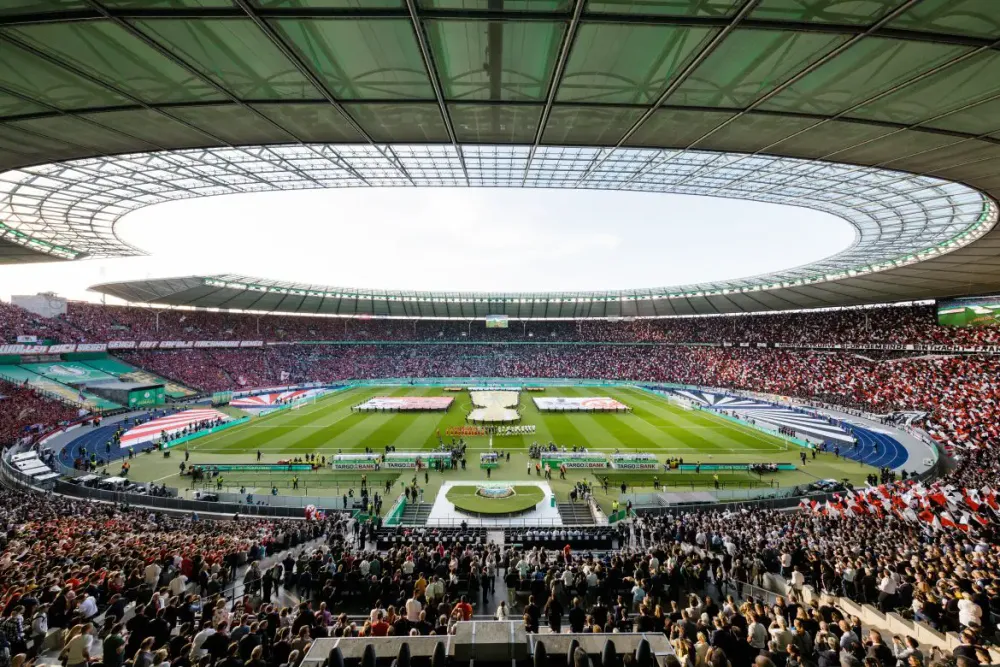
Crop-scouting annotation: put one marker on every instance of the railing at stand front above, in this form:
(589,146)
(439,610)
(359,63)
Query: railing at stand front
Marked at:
(500,523)
(742,590)
(174,504)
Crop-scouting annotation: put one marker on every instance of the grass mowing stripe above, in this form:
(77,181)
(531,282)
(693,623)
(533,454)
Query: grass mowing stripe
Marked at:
(752,438)
(391,432)
(615,429)
(726,435)
(542,433)
(256,434)
(737,435)
(674,437)
(676,425)
(414,436)
(637,422)
(440,422)
(565,432)
(653,417)
(561,427)
(335,413)
(349,435)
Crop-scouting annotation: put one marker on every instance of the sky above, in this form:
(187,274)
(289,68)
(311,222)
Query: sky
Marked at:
(471,239)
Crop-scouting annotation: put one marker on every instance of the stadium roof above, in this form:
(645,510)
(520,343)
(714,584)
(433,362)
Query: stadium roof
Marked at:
(535,93)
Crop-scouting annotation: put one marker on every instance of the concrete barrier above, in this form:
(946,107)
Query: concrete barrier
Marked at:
(888,624)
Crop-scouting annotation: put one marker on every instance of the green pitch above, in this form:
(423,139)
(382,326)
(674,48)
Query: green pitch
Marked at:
(655,425)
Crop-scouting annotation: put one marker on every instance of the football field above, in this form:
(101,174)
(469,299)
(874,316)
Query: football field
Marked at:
(328,426)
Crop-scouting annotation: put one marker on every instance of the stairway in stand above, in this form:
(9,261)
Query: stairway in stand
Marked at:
(416,514)
(575,514)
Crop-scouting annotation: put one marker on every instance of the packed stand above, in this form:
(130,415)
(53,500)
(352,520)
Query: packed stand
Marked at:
(66,564)
(16,321)
(890,325)
(24,413)
(686,576)
(899,325)
(895,547)
(215,370)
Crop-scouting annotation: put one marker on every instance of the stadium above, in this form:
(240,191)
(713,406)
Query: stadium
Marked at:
(789,468)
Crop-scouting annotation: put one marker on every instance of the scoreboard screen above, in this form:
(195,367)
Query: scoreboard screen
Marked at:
(497,321)
(970,312)
(222,397)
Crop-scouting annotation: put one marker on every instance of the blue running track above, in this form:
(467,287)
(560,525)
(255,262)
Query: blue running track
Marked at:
(93,441)
(891,454)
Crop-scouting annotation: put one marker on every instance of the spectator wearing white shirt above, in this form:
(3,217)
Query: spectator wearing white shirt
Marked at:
(729,546)
(757,634)
(780,633)
(435,589)
(197,644)
(413,609)
(152,574)
(88,607)
(886,592)
(78,648)
(786,564)
(848,576)
(178,584)
(798,579)
(969,613)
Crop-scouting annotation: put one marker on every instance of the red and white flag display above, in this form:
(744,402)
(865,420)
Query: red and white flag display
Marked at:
(935,507)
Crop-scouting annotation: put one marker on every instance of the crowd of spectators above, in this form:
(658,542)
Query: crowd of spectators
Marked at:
(24,412)
(945,576)
(16,321)
(64,562)
(883,325)
(896,325)
(685,575)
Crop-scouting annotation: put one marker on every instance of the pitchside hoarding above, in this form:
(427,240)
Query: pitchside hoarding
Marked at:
(409,459)
(355,461)
(575,459)
(634,462)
